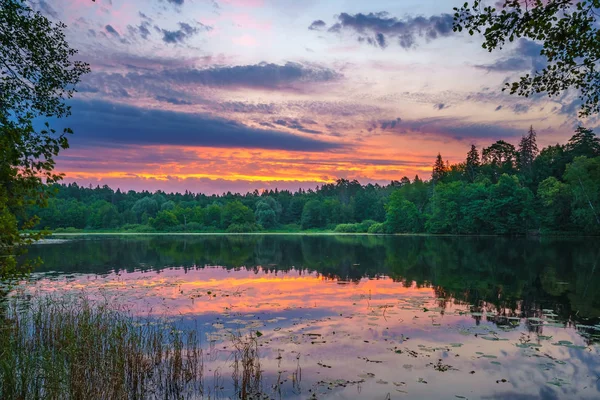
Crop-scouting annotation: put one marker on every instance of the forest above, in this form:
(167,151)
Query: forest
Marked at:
(500,190)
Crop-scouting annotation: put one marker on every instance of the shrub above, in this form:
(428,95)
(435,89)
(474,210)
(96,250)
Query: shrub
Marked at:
(138,228)
(70,229)
(242,228)
(377,228)
(365,225)
(346,228)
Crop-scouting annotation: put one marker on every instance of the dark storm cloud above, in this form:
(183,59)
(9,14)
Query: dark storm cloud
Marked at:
(526,56)
(380,29)
(106,124)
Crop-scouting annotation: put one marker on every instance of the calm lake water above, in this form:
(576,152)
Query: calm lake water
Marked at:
(361,317)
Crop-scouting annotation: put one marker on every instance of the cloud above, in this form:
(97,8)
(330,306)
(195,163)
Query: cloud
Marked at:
(172,100)
(317,25)
(171,80)
(453,128)
(111,30)
(261,75)
(526,56)
(144,30)
(379,29)
(520,108)
(185,31)
(46,8)
(99,123)
(441,106)
(389,124)
(294,124)
(176,2)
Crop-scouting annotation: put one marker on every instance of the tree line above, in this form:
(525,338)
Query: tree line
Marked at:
(503,189)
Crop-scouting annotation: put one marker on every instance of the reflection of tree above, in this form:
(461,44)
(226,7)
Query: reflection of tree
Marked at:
(506,274)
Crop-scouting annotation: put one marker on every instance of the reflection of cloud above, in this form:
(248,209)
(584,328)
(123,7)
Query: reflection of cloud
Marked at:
(378,28)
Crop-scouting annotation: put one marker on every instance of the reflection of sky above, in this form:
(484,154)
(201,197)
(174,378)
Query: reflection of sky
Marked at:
(375,327)
(240,95)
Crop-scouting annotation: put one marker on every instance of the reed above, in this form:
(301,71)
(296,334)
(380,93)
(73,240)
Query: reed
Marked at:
(56,349)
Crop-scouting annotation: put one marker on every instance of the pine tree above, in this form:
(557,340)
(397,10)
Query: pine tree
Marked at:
(473,163)
(439,169)
(528,151)
(584,143)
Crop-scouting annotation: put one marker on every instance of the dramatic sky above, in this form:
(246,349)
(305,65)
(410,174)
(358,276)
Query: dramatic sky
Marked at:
(218,95)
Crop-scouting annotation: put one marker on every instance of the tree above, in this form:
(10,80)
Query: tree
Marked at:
(472,164)
(555,204)
(236,213)
(145,206)
(528,151)
(583,175)
(402,215)
(439,169)
(267,213)
(567,31)
(509,207)
(501,157)
(164,220)
(551,162)
(37,74)
(312,215)
(583,143)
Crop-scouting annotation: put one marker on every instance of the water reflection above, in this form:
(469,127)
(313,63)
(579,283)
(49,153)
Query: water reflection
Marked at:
(548,273)
(364,316)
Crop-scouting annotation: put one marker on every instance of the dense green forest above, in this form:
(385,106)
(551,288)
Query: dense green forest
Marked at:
(504,190)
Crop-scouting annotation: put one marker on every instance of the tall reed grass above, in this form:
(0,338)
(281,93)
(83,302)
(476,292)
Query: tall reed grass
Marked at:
(51,349)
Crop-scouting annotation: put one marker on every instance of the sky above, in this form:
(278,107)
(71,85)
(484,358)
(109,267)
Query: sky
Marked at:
(236,95)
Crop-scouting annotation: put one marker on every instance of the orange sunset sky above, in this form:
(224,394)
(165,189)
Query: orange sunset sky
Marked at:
(236,95)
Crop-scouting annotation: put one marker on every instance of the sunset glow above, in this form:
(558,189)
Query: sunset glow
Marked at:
(218,96)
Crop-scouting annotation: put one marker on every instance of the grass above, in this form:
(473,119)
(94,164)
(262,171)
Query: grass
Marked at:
(56,349)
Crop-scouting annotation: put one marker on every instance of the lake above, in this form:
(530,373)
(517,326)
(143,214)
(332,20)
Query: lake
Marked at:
(359,317)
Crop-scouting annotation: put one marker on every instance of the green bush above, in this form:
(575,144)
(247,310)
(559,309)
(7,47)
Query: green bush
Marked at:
(365,225)
(377,228)
(346,228)
(138,228)
(70,229)
(242,228)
